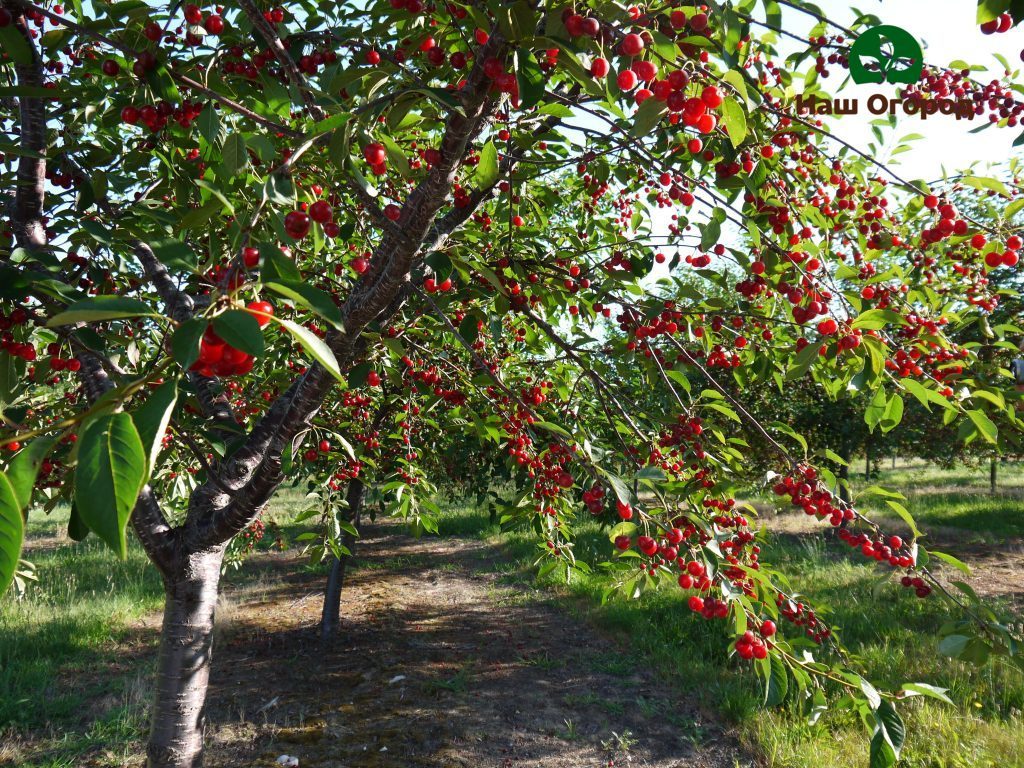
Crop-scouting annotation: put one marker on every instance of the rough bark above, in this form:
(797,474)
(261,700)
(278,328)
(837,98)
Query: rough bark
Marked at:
(183,669)
(27,215)
(336,578)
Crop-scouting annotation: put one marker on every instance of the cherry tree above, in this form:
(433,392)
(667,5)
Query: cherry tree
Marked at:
(237,236)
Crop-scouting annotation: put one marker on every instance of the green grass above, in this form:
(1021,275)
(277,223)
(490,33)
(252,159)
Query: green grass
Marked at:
(74,674)
(891,631)
(63,645)
(956,498)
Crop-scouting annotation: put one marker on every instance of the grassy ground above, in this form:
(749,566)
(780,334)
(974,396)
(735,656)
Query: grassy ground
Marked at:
(74,652)
(892,632)
(958,498)
(76,624)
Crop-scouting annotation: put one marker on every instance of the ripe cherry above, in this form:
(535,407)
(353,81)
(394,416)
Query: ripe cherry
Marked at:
(375,154)
(296,224)
(321,212)
(632,44)
(373,379)
(110,67)
(261,310)
(214,25)
(599,67)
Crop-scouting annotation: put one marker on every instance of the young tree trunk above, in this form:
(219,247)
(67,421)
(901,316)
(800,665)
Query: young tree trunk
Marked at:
(336,579)
(183,669)
(992,476)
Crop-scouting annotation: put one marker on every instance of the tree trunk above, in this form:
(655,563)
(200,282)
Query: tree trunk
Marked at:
(183,668)
(867,462)
(336,579)
(992,476)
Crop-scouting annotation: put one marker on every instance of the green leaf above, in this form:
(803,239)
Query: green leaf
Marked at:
(530,79)
(904,513)
(953,645)
(152,418)
(710,232)
(875,319)
(99,308)
(986,182)
(277,268)
(24,467)
(776,684)
(735,120)
(240,329)
(110,473)
(313,345)
(174,253)
(893,414)
(17,47)
(209,124)
(185,341)
(890,725)
(924,395)
(986,427)
(924,689)
(396,156)
(487,169)
(950,560)
(234,154)
(303,294)
(875,411)
(12,533)
(160,80)
(647,116)
(77,529)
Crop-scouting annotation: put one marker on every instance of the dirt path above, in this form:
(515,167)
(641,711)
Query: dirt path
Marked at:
(439,663)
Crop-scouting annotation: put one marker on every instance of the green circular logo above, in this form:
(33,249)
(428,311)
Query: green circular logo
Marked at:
(886,54)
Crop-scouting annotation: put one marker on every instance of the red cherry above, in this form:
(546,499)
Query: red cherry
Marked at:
(375,154)
(599,67)
(129,115)
(260,310)
(373,379)
(360,265)
(392,211)
(214,25)
(296,224)
(632,44)
(193,15)
(768,628)
(626,80)
(110,67)
(251,257)
(321,212)
(325,446)
(712,97)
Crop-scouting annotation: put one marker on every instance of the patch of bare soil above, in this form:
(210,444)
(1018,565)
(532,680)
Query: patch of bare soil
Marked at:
(439,663)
